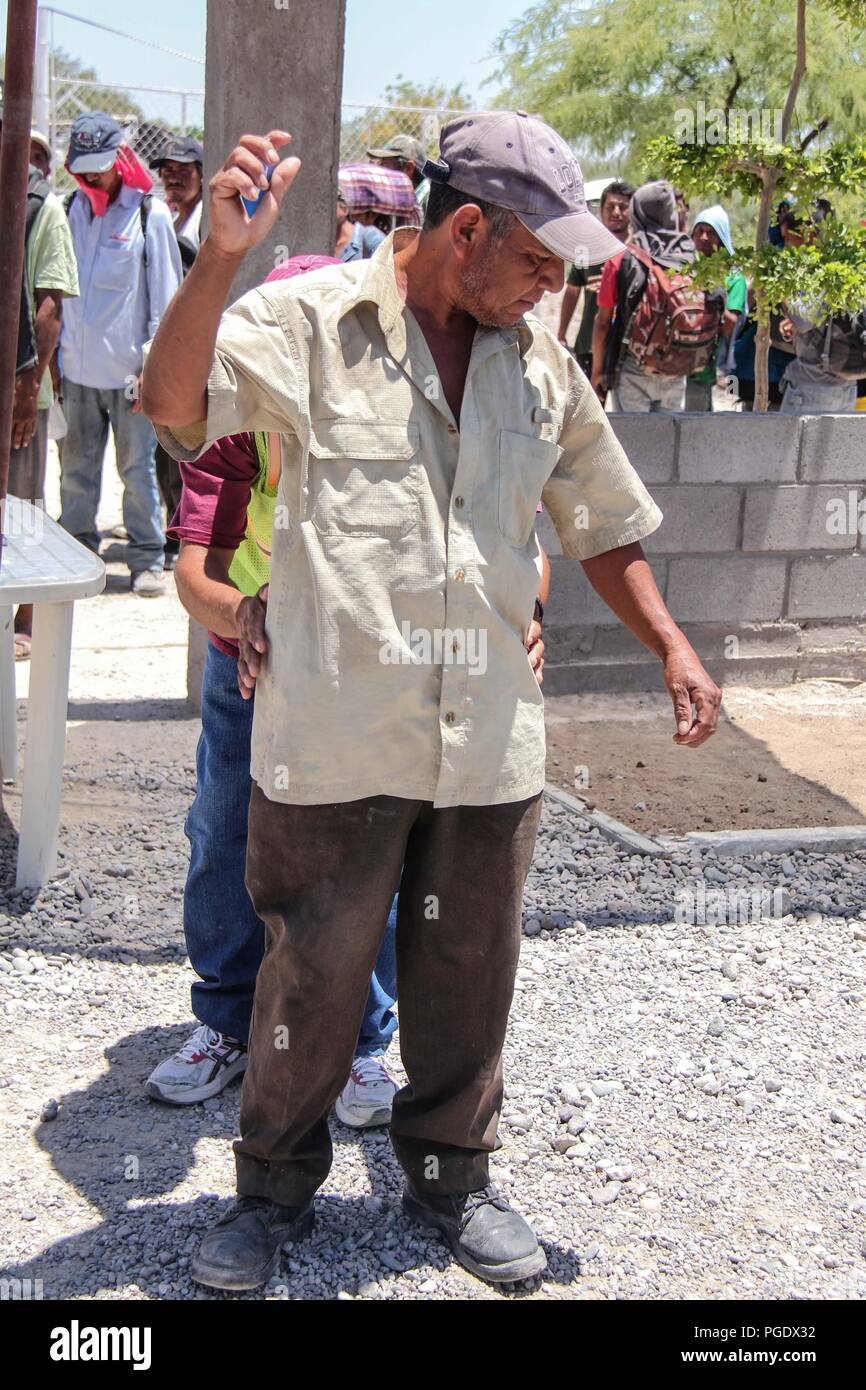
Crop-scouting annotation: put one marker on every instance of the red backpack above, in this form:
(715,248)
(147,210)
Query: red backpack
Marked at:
(675,327)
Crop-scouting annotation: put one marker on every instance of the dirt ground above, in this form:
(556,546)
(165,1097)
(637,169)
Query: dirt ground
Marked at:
(793,756)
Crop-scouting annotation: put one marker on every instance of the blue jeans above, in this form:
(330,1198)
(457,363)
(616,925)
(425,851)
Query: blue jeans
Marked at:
(225,939)
(89,411)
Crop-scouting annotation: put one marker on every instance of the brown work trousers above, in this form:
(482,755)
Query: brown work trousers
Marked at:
(322,878)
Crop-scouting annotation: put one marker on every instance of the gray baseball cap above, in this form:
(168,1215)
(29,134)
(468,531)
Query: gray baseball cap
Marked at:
(516,161)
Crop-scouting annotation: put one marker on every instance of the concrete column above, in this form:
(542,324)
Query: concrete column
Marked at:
(279,63)
(275,63)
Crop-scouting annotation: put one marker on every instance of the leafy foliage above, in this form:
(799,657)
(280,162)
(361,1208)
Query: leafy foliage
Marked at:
(611,74)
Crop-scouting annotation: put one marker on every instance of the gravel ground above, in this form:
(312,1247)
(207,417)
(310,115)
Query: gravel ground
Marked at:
(685,1103)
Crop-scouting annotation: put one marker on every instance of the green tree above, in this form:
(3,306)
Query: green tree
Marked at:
(831,270)
(612,74)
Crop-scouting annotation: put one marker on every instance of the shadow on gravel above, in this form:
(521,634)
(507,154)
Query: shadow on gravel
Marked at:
(123,1154)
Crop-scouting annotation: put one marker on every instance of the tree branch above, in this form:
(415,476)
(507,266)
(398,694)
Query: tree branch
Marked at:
(822,125)
(799,70)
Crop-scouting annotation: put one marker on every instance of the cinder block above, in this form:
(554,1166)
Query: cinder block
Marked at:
(828,586)
(833,448)
(744,641)
(735,588)
(650,442)
(833,637)
(696,519)
(567,642)
(800,517)
(573,599)
(592,676)
(738,448)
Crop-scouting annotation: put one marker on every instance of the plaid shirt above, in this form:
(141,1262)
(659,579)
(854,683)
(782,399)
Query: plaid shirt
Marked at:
(371,188)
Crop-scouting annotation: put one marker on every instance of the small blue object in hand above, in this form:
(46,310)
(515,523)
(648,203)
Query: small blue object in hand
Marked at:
(251,204)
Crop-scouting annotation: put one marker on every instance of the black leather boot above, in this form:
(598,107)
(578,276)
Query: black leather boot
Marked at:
(488,1237)
(243,1249)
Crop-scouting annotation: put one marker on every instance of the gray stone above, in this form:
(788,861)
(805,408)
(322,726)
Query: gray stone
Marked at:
(828,587)
(735,588)
(697,520)
(730,447)
(796,518)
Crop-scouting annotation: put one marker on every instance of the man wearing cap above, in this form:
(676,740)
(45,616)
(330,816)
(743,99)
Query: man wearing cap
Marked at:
(179,165)
(406,153)
(129,268)
(49,278)
(423,414)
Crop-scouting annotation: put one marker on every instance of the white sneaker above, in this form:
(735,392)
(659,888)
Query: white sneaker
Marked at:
(205,1064)
(366,1097)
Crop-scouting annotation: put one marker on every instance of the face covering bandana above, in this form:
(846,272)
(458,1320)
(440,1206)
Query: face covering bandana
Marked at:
(131,171)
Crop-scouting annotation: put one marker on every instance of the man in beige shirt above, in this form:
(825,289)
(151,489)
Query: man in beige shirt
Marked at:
(399,729)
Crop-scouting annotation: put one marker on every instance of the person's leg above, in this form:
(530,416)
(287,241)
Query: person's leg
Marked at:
(81,462)
(379,1022)
(225,937)
(135,444)
(468,864)
(804,398)
(632,394)
(170,487)
(699,396)
(668,395)
(368,1095)
(27,481)
(323,879)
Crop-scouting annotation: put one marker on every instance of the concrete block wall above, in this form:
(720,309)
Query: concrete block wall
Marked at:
(761,556)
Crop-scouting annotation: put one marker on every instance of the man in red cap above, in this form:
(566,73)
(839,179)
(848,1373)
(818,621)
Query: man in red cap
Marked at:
(399,727)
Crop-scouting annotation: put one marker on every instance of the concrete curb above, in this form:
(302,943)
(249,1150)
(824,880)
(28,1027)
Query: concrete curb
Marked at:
(614,829)
(832,839)
(741,843)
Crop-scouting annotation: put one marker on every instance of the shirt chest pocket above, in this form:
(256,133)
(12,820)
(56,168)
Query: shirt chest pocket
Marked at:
(525,464)
(115,268)
(364,478)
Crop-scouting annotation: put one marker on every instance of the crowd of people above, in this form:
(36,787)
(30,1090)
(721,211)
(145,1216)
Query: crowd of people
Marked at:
(816,366)
(322,848)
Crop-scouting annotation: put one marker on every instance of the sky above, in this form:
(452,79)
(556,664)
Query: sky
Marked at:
(447,40)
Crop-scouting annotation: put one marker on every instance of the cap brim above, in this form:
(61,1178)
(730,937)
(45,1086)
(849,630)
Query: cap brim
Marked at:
(578,236)
(386,154)
(97,163)
(174,159)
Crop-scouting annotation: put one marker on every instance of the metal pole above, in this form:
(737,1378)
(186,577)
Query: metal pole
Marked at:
(183,114)
(14,163)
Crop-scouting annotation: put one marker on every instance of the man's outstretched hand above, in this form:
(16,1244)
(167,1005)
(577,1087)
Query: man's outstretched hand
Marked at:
(252,642)
(230,230)
(691,686)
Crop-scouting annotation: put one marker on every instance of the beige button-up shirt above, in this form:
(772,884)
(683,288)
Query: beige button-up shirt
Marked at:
(405,560)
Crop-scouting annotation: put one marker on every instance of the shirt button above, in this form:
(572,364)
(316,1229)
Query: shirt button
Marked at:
(458,501)
(452,429)
(460,575)
(449,718)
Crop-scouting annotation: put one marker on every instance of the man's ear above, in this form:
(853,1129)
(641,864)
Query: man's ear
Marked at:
(466,225)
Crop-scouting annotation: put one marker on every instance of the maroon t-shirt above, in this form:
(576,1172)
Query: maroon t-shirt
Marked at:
(214,501)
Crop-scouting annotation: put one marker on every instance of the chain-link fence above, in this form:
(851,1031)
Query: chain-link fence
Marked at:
(370,127)
(183,112)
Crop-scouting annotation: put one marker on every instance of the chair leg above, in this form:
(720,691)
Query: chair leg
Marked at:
(46,743)
(8,734)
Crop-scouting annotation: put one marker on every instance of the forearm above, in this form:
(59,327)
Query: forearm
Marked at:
(174,389)
(46,331)
(624,580)
(205,589)
(569,300)
(600,331)
(544,581)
